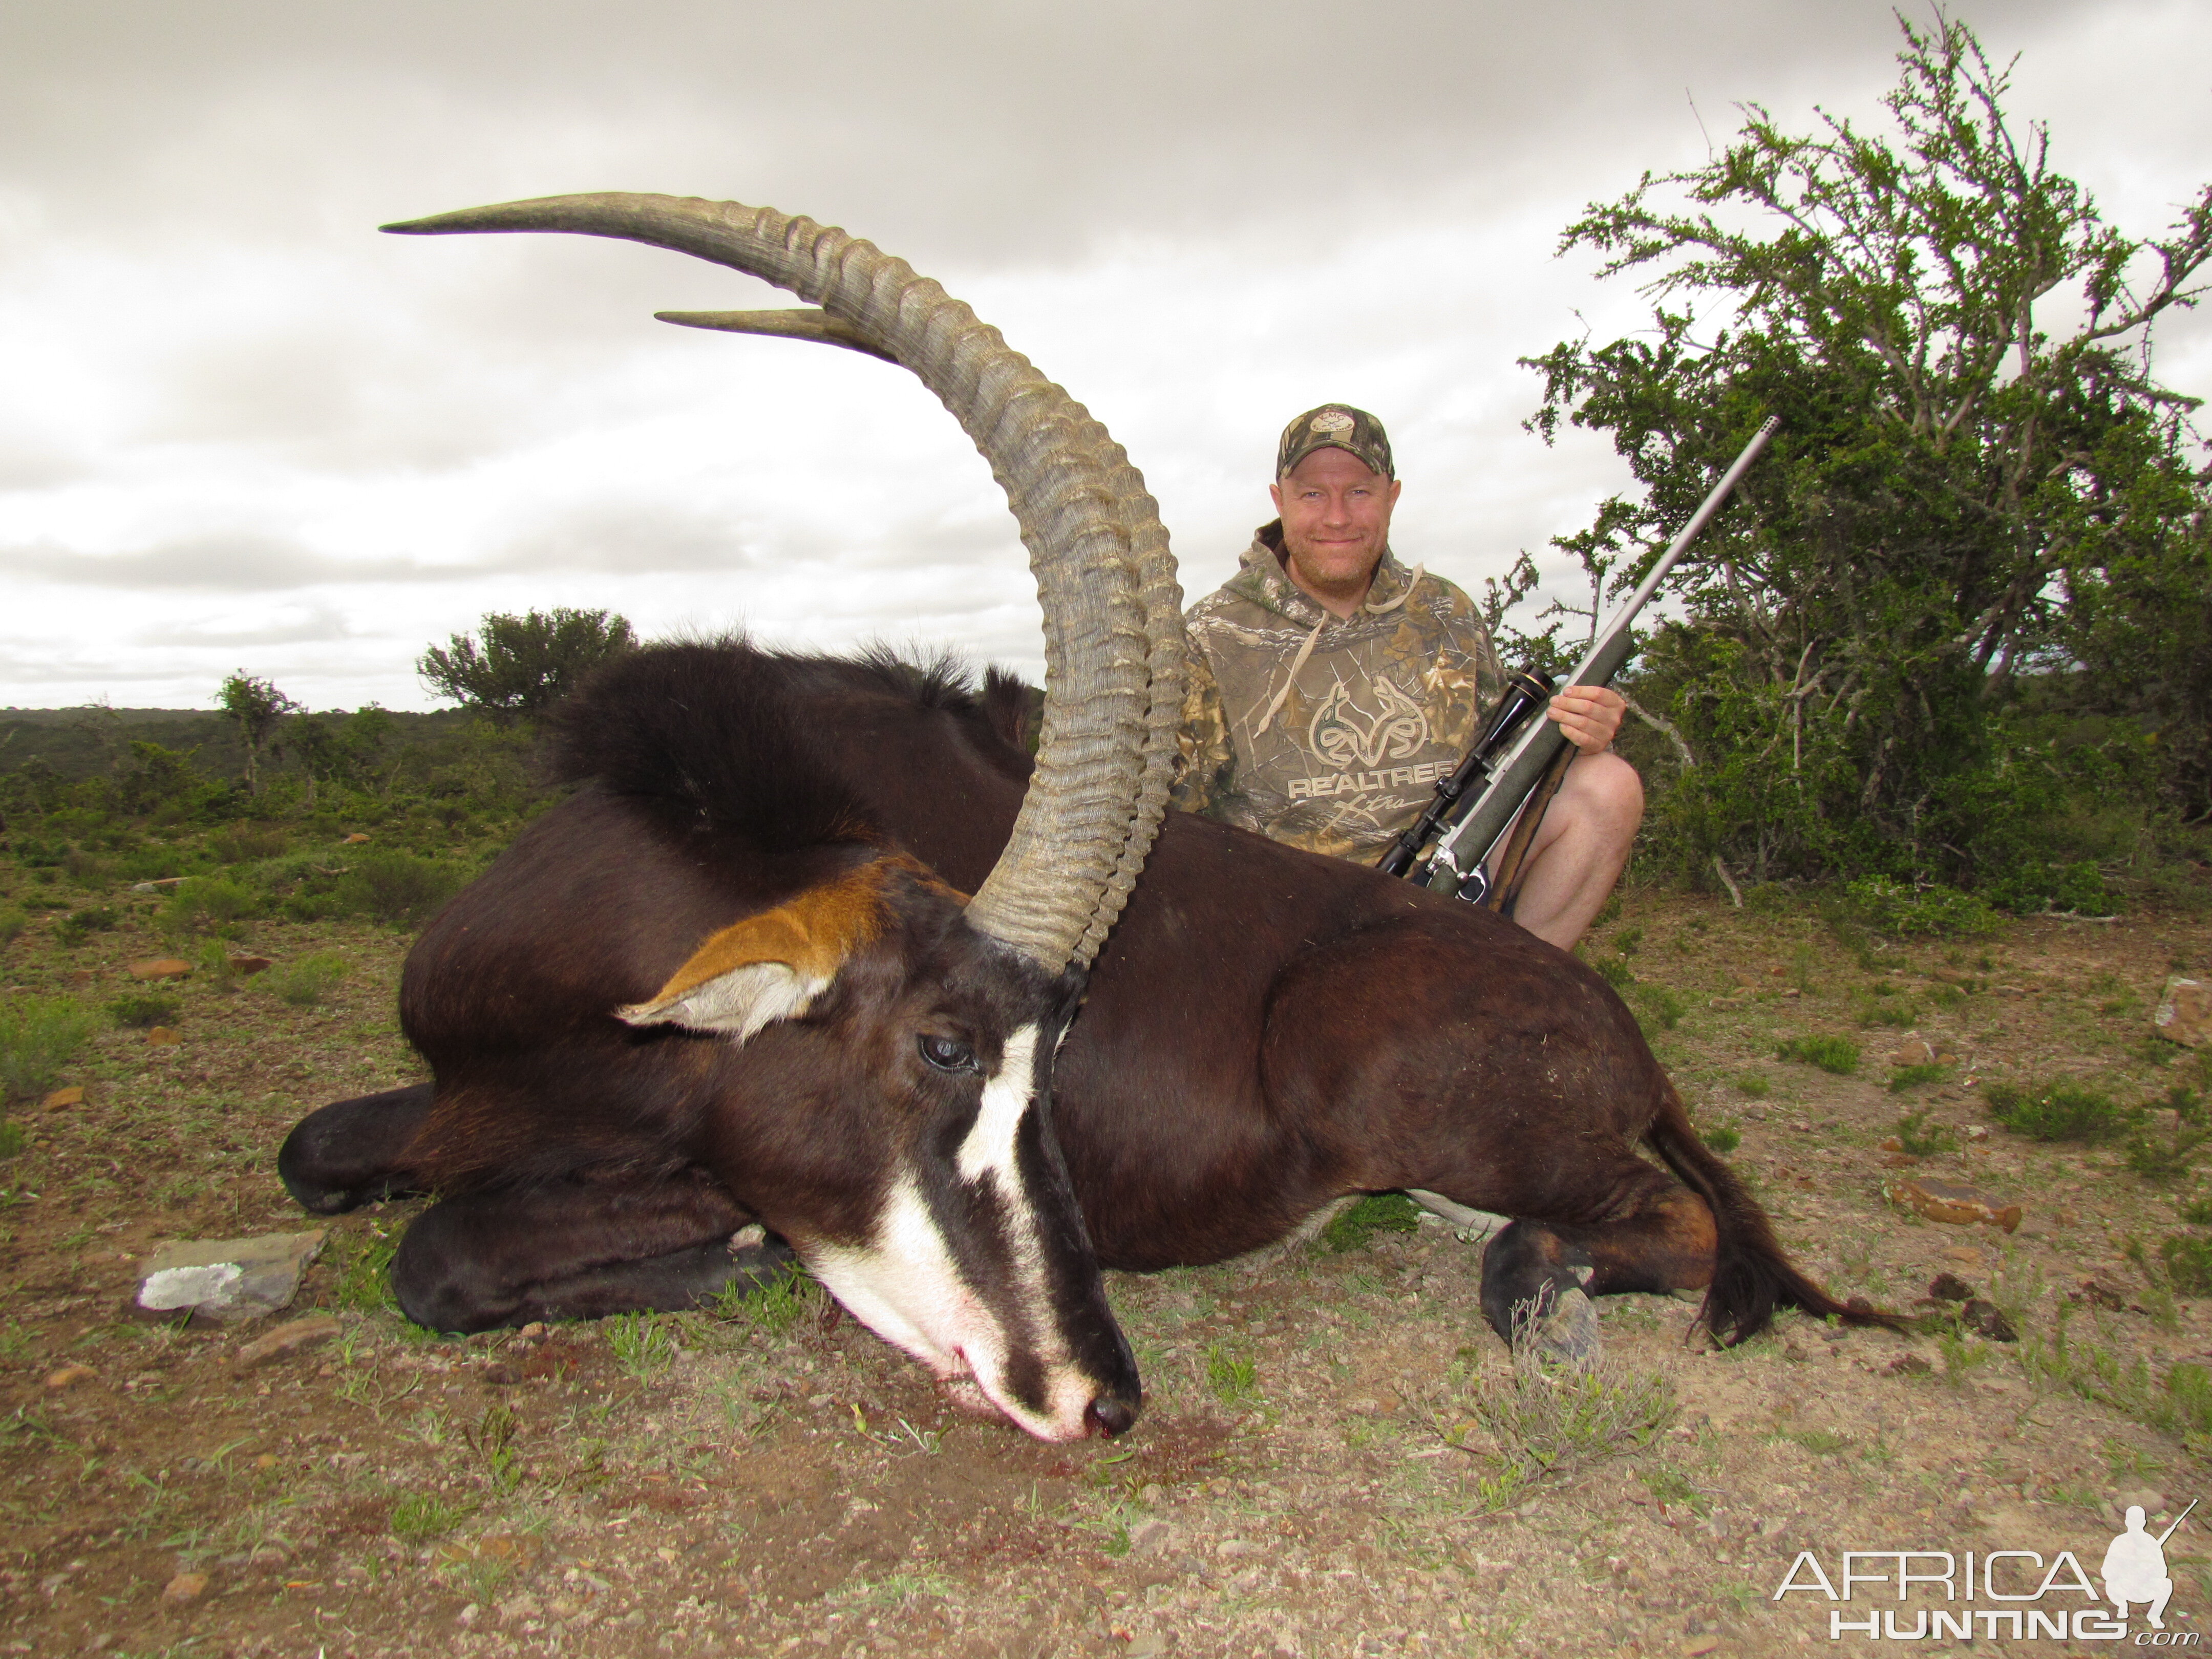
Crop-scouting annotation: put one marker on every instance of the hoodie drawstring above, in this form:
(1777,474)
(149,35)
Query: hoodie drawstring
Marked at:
(1306,650)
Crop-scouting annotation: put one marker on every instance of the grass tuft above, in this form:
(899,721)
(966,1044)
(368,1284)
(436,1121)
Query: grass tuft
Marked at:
(1384,1212)
(1831,1054)
(305,983)
(146,1008)
(421,1516)
(1551,1421)
(1231,1378)
(1917,1136)
(39,1035)
(642,1344)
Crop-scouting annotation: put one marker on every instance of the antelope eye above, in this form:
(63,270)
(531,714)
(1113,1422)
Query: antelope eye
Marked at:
(947,1053)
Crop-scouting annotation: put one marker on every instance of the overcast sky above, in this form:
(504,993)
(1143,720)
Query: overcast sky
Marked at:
(240,429)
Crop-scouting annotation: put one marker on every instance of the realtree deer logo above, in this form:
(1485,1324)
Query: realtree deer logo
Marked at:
(1344,732)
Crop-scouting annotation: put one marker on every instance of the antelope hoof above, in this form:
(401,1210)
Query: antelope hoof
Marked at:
(1566,1332)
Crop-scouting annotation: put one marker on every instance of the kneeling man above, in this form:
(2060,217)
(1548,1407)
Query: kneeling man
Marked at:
(1331,688)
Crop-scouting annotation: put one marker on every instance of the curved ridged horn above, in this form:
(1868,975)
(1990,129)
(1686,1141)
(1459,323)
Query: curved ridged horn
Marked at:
(1112,629)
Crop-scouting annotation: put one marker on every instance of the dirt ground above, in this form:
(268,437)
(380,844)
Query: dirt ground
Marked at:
(1336,1457)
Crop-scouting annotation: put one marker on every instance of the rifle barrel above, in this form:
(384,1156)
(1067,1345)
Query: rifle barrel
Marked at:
(1469,842)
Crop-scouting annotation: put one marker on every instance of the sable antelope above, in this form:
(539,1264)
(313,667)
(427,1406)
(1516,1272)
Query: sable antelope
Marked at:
(731,981)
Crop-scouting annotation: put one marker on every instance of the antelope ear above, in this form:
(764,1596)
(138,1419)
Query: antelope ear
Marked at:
(739,1002)
(771,966)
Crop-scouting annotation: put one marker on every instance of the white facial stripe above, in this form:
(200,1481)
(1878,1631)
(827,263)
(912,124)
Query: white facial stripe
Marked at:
(906,1285)
(989,1146)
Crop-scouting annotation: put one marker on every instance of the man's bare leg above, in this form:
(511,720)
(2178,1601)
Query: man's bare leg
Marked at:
(1581,848)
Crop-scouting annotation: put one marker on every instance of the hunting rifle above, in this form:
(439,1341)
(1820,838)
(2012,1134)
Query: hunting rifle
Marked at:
(1534,754)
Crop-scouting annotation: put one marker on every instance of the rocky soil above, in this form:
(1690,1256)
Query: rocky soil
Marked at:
(1337,1457)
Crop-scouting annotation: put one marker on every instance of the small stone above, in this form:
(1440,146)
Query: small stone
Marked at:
(2185,1012)
(288,1338)
(161,967)
(2008,990)
(1694,1647)
(1892,1145)
(1151,1537)
(163,1036)
(355,839)
(1915,1050)
(1978,1131)
(1725,1002)
(1968,1258)
(2101,1290)
(502,1376)
(227,1279)
(532,1331)
(1949,1287)
(1983,1320)
(186,1587)
(62,1099)
(266,1461)
(158,884)
(69,1376)
(1954,1205)
(247,967)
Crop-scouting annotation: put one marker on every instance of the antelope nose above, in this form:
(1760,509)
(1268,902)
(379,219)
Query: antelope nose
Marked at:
(1108,1416)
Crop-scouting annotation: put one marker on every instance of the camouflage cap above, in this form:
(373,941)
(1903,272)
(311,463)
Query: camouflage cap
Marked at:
(1335,426)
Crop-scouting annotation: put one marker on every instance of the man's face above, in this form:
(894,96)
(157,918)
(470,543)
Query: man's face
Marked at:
(1336,522)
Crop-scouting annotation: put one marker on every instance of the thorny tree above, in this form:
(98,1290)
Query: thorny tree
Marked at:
(525,664)
(259,708)
(1978,488)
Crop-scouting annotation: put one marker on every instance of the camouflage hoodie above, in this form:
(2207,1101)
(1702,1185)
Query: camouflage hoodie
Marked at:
(1329,732)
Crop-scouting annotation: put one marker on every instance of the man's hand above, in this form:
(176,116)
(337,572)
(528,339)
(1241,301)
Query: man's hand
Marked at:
(1589,715)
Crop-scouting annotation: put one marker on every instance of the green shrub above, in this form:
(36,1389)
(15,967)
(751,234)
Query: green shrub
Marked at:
(1614,971)
(1659,1007)
(1831,1054)
(37,1035)
(12,1140)
(1933,912)
(137,1011)
(2170,1159)
(308,981)
(421,1516)
(2189,1264)
(2058,1111)
(80,924)
(1921,1138)
(1876,1011)
(1755,1083)
(13,920)
(1385,1212)
(1723,1138)
(397,889)
(2197,1211)
(1912,1077)
(207,904)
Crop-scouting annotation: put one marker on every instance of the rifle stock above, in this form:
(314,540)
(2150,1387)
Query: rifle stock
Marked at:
(1471,832)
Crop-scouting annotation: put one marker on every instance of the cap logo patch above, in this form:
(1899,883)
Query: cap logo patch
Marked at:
(1330,422)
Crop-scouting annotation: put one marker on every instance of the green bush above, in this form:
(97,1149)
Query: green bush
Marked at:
(1831,1054)
(80,924)
(1931,912)
(207,904)
(2189,1264)
(138,1011)
(2197,1211)
(248,844)
(1755,1083)
(13,920)
(1614,971)
(2168,1159)
(1659,1008)
(308,981)
(397,889)
(2058,1111)
(1921,1138)
(37,1035)
(1723,1138)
